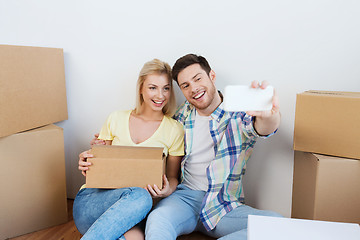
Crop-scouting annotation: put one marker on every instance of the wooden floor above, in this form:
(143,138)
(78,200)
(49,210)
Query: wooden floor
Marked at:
(66,231)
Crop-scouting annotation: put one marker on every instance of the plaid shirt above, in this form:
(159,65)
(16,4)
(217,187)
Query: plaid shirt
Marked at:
(234,138)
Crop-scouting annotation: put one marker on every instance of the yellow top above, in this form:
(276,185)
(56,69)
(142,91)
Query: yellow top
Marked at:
(169,135)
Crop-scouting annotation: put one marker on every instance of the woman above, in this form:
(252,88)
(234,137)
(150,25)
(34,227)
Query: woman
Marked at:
(112,214)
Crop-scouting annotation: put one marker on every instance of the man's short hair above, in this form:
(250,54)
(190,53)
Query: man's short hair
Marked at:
(188,60)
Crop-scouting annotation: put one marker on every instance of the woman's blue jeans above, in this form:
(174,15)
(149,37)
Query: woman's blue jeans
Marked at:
(109,213)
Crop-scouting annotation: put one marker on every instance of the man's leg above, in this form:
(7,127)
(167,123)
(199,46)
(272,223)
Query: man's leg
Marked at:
(175,215)
(234,224)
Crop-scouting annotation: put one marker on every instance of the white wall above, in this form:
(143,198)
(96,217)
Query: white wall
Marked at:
(295,45)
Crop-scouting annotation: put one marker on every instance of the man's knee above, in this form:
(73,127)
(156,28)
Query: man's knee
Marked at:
(272,214)
(159,225)
(159,215)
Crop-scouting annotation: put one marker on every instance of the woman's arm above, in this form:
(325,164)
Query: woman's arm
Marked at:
(172,171)
(171,181)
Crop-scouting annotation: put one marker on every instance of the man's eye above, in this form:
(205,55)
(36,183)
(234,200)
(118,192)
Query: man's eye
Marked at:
(185,86)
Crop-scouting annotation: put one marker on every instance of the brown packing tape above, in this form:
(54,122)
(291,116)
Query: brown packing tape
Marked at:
(333,93)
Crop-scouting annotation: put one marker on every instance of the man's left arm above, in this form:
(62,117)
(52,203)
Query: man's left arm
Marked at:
(266,122)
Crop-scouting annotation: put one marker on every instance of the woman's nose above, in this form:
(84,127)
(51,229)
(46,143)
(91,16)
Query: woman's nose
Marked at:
(160,94)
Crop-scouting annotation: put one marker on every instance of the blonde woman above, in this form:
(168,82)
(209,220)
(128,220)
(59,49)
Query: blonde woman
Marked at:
(115,213)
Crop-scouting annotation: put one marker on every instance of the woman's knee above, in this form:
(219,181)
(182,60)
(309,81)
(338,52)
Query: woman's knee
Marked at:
(142,197)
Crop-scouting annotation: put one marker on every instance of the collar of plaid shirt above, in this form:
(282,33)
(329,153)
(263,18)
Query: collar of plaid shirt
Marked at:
(234,138)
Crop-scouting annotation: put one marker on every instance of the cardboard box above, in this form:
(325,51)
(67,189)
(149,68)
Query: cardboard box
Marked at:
(275,228)
(328,123)
(326,188)
(32,88)
(32,181)
(125,166)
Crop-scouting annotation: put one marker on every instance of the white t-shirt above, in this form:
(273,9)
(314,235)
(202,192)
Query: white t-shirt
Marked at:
(202,153)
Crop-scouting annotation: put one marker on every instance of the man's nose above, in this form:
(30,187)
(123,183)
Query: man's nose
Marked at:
(194,88)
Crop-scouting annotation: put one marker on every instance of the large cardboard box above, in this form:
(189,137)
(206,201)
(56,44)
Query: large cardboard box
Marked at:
(32,88)
(125,166)
(328,123)
(32,181)
(326,188)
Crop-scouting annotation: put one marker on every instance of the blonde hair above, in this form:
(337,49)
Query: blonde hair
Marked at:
(155,66)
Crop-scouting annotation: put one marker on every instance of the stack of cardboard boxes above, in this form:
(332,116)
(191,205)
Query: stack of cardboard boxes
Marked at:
(327,156)
(32,173)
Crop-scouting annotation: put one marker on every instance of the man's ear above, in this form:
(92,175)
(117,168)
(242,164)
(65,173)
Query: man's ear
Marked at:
(212,75)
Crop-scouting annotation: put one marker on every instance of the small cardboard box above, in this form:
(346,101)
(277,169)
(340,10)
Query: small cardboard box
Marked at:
(32,88)
(328,123)
(32,181)
(326,188)
(125,166)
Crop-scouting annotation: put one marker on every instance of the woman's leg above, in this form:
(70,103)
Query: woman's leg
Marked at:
(108,214)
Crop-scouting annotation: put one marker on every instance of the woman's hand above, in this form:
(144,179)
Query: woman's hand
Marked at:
(96,141)
(155,192)
(83,163)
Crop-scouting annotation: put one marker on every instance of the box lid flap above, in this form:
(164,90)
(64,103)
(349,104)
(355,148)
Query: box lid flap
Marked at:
(121,152)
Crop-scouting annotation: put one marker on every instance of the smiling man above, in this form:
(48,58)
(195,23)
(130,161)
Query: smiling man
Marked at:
(210,198)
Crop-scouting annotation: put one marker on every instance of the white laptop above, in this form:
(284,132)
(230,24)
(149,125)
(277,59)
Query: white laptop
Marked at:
(274,228)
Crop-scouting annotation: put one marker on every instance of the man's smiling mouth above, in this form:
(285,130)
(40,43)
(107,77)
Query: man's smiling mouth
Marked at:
(199,95)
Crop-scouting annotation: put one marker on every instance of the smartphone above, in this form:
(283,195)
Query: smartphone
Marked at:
(239,98)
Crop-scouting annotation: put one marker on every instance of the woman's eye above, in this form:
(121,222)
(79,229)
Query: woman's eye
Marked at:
(167,89)
(185,86)
(152,88)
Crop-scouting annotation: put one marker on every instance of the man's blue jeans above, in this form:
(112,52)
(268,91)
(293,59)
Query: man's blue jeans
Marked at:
(178,214)
(109,213)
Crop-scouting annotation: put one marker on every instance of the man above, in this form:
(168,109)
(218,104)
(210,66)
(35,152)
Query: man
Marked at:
(210,198)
